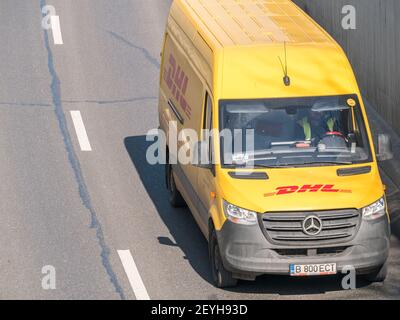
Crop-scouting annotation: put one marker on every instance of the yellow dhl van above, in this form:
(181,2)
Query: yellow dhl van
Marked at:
(312,201)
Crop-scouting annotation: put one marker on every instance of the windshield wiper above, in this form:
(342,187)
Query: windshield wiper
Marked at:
(281,166)
(295,165)
(265,166)
(327,163)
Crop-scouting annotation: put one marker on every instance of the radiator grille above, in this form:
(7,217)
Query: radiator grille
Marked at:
(287,227)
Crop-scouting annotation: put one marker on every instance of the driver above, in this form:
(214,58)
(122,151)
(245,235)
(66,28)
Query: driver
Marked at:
(317,125)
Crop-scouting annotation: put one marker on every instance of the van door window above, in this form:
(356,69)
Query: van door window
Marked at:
(207,124)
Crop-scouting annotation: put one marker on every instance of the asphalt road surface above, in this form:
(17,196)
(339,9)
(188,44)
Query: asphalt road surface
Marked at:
(74,210)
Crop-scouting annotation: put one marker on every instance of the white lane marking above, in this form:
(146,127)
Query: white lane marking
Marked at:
(56,30)
(133,275)
(80,131)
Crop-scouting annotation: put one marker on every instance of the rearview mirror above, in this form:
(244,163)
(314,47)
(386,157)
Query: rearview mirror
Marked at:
(384,148)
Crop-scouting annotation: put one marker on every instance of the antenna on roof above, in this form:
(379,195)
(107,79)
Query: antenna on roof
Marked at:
(286,78)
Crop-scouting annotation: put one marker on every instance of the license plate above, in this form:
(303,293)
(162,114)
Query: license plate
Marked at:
(305,270)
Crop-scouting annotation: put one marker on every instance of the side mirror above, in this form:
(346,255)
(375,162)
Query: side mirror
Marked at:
(201,155)
(384,148)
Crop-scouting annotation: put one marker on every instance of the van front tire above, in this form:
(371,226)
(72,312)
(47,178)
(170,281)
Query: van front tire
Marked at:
(222,277)
(175,198)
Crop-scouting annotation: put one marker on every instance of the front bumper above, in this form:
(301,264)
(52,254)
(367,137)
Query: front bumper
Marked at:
(247,253)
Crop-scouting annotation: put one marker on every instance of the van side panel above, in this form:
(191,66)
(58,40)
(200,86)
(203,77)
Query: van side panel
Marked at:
(181,101)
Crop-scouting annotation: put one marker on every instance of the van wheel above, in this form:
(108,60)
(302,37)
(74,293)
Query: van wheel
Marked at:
(379,275)
(175,198)
(222,277)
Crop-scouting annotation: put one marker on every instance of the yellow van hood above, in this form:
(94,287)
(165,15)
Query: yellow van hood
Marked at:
(299,189)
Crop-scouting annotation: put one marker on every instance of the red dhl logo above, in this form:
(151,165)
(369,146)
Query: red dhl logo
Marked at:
(177,82)
(328,188)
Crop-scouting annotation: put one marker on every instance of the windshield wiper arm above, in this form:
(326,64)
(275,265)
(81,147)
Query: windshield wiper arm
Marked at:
(278,166)
(327,163)
(294,165)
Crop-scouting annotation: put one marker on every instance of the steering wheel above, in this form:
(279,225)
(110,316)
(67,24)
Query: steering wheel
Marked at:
(335,133)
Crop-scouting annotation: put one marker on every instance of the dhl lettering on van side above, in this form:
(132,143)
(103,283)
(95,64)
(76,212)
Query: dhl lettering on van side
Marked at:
(177,82)
(306,188)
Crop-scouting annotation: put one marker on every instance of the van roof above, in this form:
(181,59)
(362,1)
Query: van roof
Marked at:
(243,39)
(254,22)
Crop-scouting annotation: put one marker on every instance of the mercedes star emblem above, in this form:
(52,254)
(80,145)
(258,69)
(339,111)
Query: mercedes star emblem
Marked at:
(312,225)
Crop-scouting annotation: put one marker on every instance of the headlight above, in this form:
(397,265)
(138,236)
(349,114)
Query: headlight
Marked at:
(375,210)
(239,215)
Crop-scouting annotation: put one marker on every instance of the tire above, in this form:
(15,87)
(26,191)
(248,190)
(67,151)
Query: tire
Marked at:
(379,275)
(222,278)
(175,198)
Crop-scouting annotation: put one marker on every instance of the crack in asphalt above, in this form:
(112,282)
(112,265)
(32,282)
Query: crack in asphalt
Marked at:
(25,104)
(102,102)
(144,51)
(74,162)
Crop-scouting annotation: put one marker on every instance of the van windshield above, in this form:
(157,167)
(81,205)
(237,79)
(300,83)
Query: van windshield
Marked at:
(313,131)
